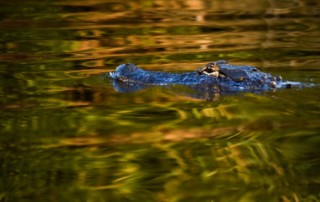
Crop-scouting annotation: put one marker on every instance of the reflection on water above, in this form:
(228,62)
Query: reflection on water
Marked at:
(65,134)
(192,171)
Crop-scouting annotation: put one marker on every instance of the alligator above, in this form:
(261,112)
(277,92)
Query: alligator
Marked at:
(218,76)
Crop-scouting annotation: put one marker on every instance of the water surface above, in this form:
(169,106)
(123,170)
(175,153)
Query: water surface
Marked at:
(67,135)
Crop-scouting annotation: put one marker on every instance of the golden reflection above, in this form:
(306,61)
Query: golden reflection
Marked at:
(63,126)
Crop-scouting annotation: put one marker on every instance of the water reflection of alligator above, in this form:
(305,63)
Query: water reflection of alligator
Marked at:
(216,77)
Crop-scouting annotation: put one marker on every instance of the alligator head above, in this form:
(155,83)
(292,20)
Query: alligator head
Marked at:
(219,70)
(218,76)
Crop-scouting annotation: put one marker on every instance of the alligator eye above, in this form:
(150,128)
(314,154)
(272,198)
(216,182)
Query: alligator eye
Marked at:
(273,84)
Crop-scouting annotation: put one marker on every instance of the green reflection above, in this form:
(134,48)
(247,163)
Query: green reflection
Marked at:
(183,171)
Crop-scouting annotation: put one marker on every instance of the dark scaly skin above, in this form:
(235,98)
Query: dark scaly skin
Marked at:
(219,75)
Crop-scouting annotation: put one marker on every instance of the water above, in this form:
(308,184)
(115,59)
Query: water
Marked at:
(67,135)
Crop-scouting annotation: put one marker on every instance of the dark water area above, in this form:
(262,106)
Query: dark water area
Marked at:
(67,135)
